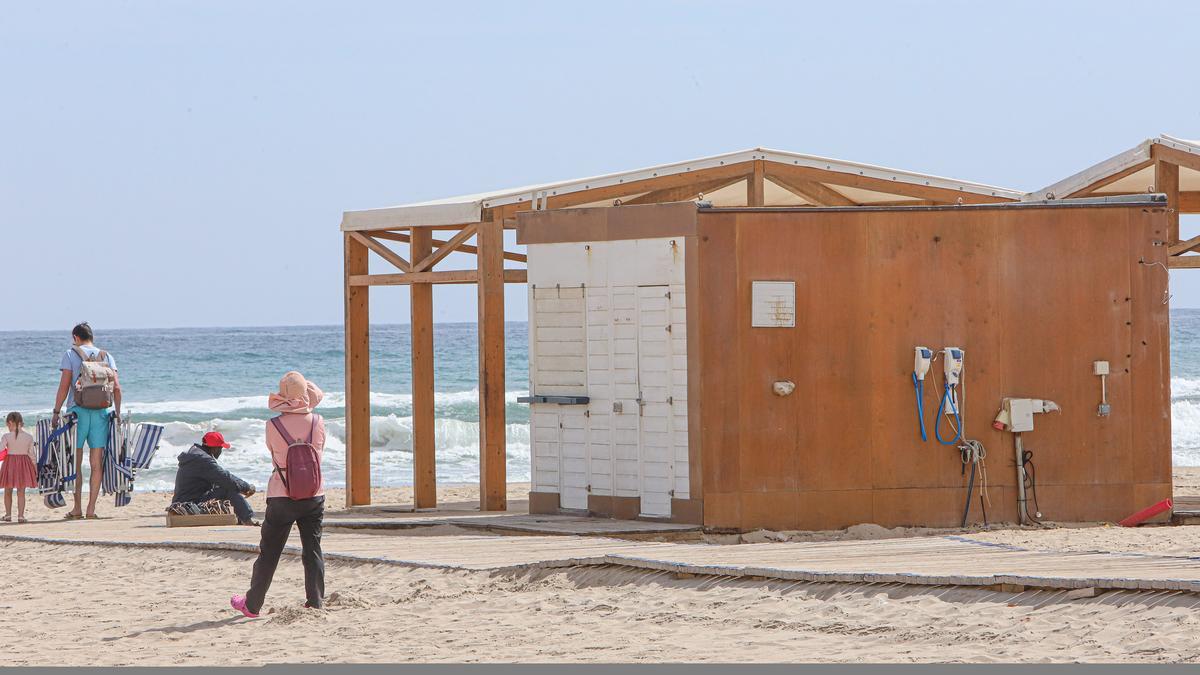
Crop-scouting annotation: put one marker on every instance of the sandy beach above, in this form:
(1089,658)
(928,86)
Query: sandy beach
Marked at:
(86,605)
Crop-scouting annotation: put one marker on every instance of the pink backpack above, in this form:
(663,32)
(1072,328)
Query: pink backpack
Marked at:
(302,475)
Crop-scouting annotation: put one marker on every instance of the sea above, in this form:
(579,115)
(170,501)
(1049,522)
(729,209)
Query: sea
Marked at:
(194,380)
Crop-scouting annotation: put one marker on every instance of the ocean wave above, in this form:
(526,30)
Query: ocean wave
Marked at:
(1185,387)
(336,399)
(456,446)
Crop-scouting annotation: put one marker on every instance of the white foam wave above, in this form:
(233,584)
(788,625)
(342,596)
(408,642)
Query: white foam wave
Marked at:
(456,442)
(336,399)
(1184,387)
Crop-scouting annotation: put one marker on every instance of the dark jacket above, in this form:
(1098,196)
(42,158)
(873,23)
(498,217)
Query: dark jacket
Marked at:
(199,473)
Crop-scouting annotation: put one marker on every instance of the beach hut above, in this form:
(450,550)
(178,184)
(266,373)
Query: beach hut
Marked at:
(730,341)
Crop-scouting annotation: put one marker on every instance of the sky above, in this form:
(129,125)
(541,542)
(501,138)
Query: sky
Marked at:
(172,164)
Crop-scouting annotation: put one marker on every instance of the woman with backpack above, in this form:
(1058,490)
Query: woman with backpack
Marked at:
(295,493)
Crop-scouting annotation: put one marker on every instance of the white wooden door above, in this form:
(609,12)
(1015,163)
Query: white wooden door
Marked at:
(558,367)
(656,449)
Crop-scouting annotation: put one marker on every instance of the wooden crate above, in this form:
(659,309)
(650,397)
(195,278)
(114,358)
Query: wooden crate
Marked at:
(201,520)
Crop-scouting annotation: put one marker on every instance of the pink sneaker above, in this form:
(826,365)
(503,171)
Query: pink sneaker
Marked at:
(238,602)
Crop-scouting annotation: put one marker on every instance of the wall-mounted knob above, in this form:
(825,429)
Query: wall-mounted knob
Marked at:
(783,387)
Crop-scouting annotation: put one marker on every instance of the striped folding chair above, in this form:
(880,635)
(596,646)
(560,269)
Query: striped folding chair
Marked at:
(145,444)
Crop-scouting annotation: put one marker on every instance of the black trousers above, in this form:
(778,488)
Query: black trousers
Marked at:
(282,512)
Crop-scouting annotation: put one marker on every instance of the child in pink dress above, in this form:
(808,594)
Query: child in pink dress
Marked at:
(18,470)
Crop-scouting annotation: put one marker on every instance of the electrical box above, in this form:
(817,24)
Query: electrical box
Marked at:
(1100,367)
(1021,412)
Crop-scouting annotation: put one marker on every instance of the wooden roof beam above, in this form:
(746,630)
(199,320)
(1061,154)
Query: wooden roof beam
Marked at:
(1162,153)
(382,251)
(741,169)
(1184,246)
(445,249)
(461,248)
(812,192)
(684,193)
(1108,180)
(893,187)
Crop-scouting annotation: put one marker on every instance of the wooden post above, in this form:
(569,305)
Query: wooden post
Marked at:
(421,328)
(358,377)
(1166,180)
(755,187)
(493,480)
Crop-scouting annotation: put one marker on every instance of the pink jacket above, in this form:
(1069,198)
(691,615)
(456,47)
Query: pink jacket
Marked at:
(298,425)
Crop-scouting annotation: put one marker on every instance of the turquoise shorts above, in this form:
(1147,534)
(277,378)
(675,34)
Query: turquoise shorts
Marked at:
(91,427)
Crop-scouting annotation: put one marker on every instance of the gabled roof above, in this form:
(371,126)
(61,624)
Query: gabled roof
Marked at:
(1130,172)
(792,179)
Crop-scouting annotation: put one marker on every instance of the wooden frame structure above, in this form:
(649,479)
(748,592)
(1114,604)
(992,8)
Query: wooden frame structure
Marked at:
(1162,164)
(757,177)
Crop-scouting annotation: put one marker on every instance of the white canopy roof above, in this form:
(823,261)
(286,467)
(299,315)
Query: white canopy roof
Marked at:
(1137,181)
(469,208)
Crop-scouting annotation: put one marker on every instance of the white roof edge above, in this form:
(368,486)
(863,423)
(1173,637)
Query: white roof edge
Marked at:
(1113,165)
(469,208)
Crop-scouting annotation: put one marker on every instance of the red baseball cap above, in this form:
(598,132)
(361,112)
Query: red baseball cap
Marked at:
(214,439)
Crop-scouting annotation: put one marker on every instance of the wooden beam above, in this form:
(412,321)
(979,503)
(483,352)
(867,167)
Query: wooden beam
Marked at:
(1162,153)
(894,187)
(493,477)
(1107,180)
(1184,262)
(1189,202)
(381,250)
(812,192)
(444,277)
(358,376)
(684,193)
(463,248)
(421,330)
(1166,181)
(636,187)
(428,261)
(511,276)
(756,193)
(1184,246)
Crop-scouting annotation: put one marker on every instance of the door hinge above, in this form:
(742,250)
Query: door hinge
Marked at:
(587,413)
(668,294)
(589,488)
(670,400)
(671,493)
(668,328)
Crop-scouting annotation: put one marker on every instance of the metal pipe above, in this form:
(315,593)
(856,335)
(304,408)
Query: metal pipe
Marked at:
(1022,512)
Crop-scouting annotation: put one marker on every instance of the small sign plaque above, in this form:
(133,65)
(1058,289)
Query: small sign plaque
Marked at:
(773,304)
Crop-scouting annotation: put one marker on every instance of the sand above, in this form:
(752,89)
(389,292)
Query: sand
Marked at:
(84,605)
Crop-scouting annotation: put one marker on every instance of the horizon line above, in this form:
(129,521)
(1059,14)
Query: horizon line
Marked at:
(242,326)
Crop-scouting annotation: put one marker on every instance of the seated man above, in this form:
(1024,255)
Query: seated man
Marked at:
(200,478)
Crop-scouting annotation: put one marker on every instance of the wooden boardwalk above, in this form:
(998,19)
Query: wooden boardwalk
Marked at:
(942,560)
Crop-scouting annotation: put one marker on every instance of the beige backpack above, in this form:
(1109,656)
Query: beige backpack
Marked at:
(94,388)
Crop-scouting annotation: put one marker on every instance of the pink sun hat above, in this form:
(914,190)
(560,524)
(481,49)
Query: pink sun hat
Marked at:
(295,395)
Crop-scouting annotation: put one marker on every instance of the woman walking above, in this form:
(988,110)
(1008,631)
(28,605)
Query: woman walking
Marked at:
(295,493)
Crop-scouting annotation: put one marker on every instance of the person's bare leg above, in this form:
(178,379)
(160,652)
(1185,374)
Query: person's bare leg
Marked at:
(97,464)
(21,504)
(7,502)
(77,510)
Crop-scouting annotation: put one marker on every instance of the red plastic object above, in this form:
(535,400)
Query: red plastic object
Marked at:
(3,454)
(1146,513)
